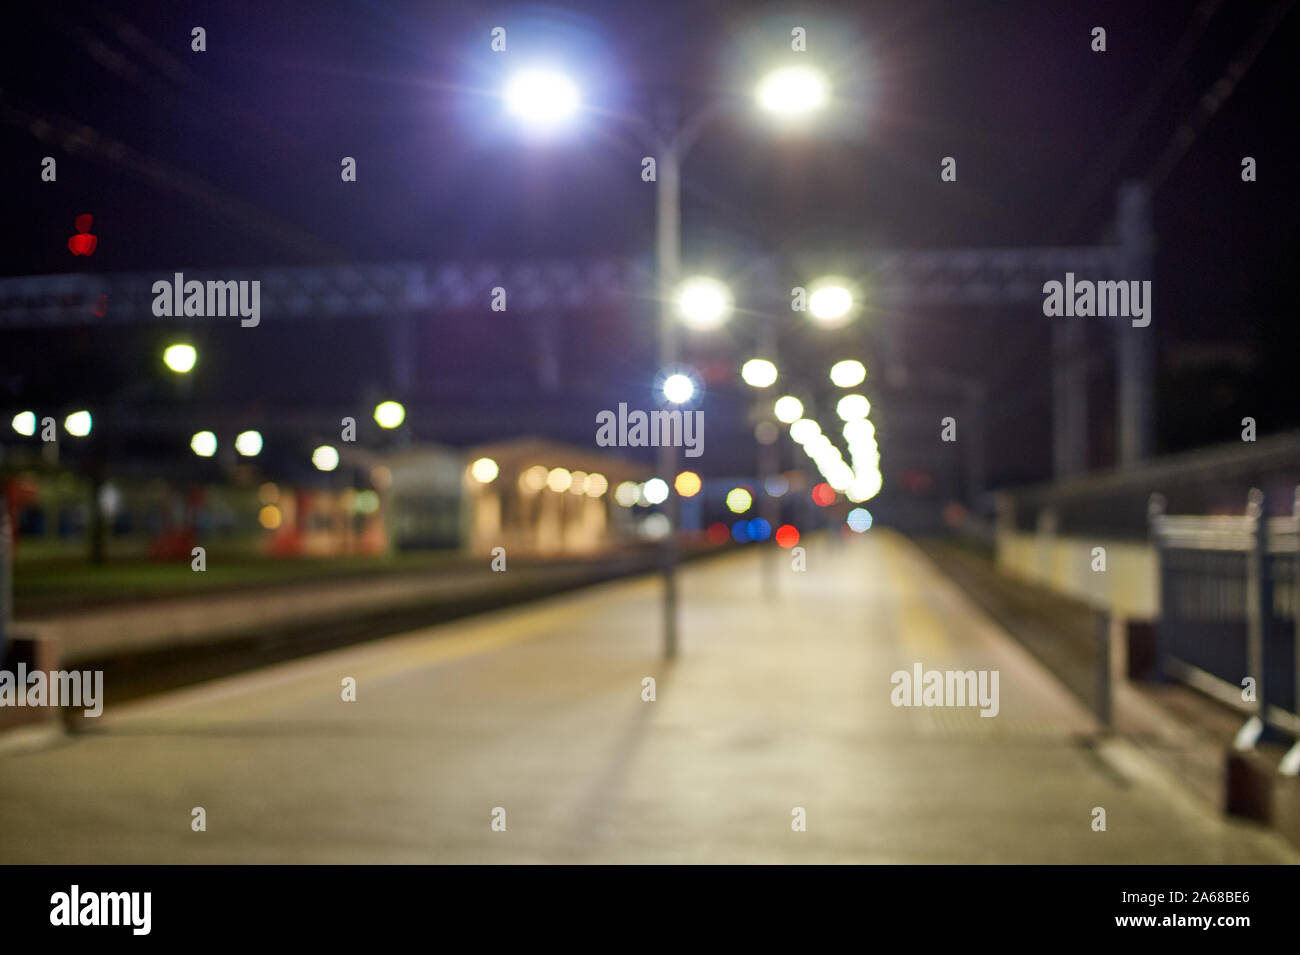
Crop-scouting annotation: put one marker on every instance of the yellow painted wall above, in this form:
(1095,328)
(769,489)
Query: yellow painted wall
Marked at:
(1129,586)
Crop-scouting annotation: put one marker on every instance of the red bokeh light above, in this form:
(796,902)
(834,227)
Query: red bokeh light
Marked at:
(718,533)
(823,495)
(787,535)
(83,243)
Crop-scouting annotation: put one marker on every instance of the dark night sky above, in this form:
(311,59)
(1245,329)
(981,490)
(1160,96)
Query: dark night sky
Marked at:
(251,133)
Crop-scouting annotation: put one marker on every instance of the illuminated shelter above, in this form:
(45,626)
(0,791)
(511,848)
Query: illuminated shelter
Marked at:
(548,498)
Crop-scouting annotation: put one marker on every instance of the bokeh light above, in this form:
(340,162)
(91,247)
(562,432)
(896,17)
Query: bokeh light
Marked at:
(804,430)
(559,479)
(484,470)
(853,407)
(758,373)
(180,358)
(78,424)
(655,491)
(687,484)
(325,458)
(656,526)
(678,388)
(204,444)
(627,493)
(788,409)
(859,519)
(25,423)
(848,373)
(787,535)
(739,500)
(249,443)
(389,414)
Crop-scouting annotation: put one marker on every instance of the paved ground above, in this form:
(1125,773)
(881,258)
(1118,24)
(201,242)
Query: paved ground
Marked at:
(778,701)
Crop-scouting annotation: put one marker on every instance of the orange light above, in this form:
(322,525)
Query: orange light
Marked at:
(787,535)
(687,484)
(269,517)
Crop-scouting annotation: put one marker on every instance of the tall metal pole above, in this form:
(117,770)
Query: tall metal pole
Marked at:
(1136,365)
(768,465)
(668,234)
(1259,607)
(1069,398)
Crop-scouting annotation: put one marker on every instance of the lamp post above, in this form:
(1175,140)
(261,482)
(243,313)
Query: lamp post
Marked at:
(541,98)
(760,374)
(668,265)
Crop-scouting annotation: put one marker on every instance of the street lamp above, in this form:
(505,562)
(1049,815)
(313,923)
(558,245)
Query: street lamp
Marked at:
(758,373)
(788,409)
(705,303)
(831,303)
(851,407)
(678,389)
(542,99)
(848,373)
(793,91)
(804,430)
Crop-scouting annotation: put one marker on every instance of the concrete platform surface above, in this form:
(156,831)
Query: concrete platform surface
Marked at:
(779,701)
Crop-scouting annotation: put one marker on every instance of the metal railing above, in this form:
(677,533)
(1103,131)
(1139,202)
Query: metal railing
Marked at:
(1228,612)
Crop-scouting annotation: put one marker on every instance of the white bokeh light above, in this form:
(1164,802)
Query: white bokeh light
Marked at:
(678,388)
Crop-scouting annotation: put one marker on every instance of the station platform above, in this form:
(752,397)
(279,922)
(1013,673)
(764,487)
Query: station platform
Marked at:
(779,707)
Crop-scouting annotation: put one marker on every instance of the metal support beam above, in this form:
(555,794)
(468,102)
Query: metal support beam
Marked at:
(1069,397)
(1136,374)
(950,277)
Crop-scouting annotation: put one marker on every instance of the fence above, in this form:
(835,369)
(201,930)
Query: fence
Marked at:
(1228,601)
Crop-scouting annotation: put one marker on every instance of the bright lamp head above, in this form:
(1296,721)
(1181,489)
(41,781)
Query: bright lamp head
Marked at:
(704,303)
(793,91)
(541,99)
